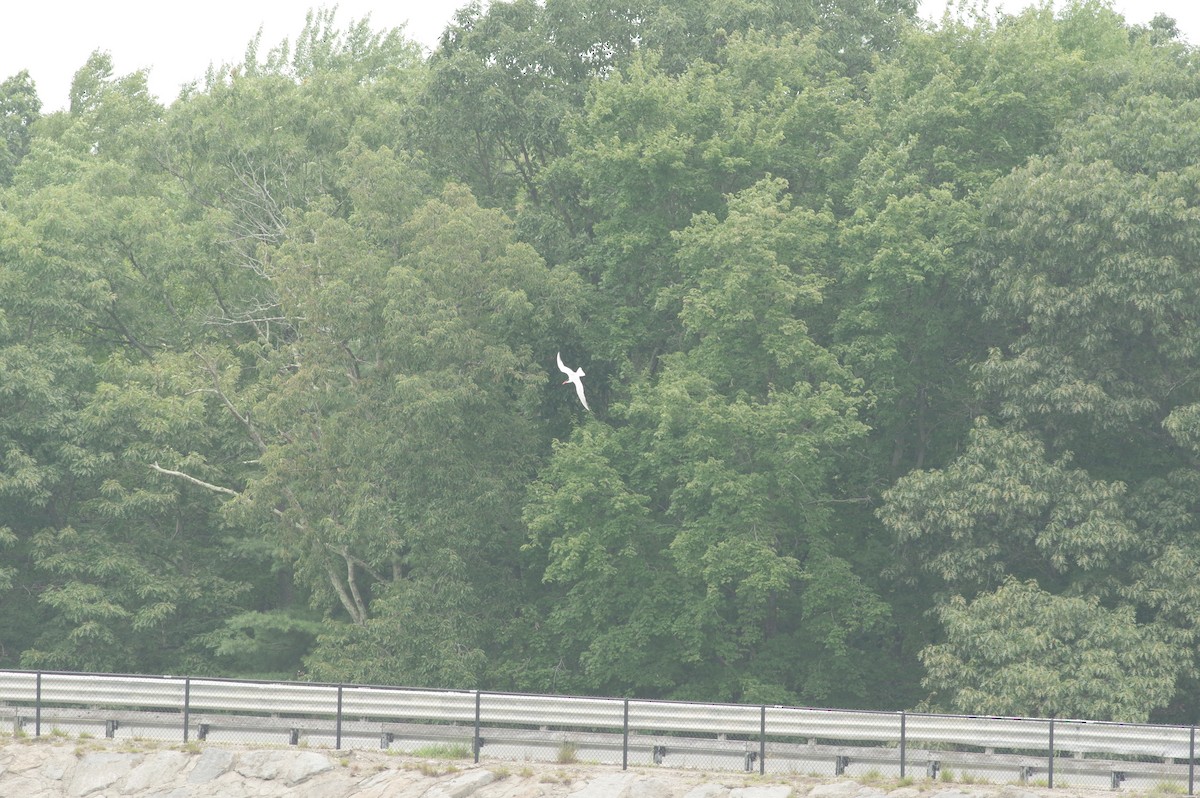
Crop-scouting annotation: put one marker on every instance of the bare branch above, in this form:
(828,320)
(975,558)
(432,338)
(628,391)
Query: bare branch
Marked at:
(352,581)
(243,419)
(373,573)
(193,480)
(127,334)
(356,611)
(354,374)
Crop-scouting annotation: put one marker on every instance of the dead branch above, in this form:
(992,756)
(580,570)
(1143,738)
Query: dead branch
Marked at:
(244,420)
(193,480)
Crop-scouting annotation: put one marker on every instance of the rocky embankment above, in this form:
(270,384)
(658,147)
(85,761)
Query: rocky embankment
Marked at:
(58,768)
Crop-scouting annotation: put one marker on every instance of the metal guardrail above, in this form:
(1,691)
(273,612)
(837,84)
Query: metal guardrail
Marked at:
(606,730)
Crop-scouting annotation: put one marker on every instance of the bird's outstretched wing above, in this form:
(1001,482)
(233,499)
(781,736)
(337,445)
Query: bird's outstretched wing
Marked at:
(574,376)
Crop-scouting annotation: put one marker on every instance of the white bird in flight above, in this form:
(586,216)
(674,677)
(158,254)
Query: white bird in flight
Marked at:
(574,376)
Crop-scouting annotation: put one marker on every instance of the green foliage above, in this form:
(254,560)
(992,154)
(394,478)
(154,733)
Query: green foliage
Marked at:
(19,109)
(1098,270)
(567,753)
(734,441)
(1083,262)
(1021,650)
(652,148)
(889,331)
(1003,508)
(443,751)
(263,643)
(499,88)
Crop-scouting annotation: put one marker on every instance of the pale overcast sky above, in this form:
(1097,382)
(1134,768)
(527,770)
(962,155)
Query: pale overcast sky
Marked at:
(178,40)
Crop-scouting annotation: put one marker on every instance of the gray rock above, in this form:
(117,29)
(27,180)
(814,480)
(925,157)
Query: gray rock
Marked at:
(306,764)
(156,770)
(461,785)
(764,791)
(905,792)
(836,789)
(57,766)
(172,792)
(65,769)
(650,787)
(17,762)
(97,771)
(387,783)
(211,764)
(334,785)
(20,785)
(377,779)
(234,785)
(374,787)
(264,765)
(707,790)
(1017,792)
(607,786)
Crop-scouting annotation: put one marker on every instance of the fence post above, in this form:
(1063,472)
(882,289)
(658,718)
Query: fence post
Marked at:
(1050,770)
(625,738)
(337,744)
(187,705)
(37,707)
(903,742)
(475,743)
(762,742)
(1192,761)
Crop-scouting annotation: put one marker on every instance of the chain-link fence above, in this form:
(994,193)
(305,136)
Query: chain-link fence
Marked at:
(457,724)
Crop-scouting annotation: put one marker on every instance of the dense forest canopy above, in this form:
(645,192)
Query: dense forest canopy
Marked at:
(891,334)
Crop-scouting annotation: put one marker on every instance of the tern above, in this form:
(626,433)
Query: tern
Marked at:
(573,375)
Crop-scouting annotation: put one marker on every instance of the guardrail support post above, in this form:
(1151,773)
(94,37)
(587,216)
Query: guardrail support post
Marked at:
(187,705)
(37,707)
(1192,761)
(1050,771)
(840,763)
(337,736)
(110,728)
(903,742)
(762,741)
(477,743)
(625,738)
